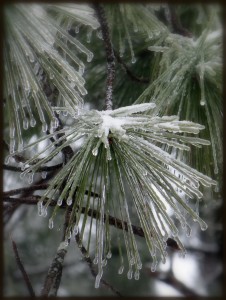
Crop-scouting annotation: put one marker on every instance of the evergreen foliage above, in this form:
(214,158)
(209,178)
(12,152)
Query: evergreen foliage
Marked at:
(142,147)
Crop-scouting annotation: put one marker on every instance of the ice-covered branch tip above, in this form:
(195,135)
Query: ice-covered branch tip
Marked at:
(124,146)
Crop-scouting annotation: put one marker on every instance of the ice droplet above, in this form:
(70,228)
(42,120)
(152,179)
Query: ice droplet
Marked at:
(95,151)
(59,202)
(25,124)
(7,159)
(104,262)
(109,255)
(188,231)
(44,127)
(133,60)
(44,212)
(130,274)
(69,201)
(44,174)
(89,57)
(202,102)
(120,270)
(30,178)
(32,122)
(40,208)
(136,275)
(50,223)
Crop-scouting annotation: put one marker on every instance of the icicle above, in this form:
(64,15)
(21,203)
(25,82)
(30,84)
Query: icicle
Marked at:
(44,214)
(69,201)
(25,124)
(30,177)
(32,122)
(137,275)
(50,223)
(202,224)
(97,281)
(120,270)
(44,127)
(59,202)
(89,34)
(40,208)
(7,159)
(12,146)
(154,264)
(188,231)
(130,274)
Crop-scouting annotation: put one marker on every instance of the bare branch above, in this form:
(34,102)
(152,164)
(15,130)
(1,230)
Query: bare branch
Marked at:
(55,272)
(94,213)
(22,270)
(92,268)
(109,53)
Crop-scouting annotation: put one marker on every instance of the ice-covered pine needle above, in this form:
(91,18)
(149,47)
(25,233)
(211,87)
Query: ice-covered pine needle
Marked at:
(121,151)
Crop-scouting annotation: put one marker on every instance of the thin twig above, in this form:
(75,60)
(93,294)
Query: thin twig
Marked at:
(109,54)
(55,271)
(41,169)
(92,268)
(129,72)
(22,270)
(94,213)
(53,278)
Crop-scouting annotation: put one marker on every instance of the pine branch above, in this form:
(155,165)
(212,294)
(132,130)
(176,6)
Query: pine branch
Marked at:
(22,270)
(32,200)
(109,54)
(91,266)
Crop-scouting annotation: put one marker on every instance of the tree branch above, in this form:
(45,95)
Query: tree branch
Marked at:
(109,54)
(94,213)
(92,268)
(55,272)
(22,270)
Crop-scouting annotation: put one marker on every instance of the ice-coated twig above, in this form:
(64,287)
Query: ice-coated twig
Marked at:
(109,54)
(22,269)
